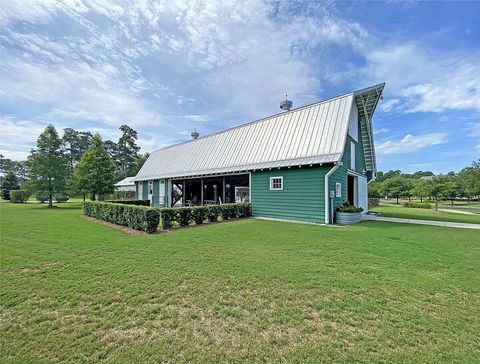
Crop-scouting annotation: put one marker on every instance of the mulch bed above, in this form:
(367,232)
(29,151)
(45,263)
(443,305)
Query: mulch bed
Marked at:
(125,229)
(159,230)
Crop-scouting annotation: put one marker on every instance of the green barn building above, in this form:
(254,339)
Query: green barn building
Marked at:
(297,165)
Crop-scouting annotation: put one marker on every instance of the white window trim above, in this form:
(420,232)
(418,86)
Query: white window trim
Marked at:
(271,183)
(338,189)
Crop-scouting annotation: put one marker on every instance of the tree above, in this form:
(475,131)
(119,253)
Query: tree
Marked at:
(469,179)
(396,187)
(95,172)
(437,189)
(384,176)
(48,165)
(75,143)
(127,149)
(9,183)
(375,190)
(139,162)
(421,189)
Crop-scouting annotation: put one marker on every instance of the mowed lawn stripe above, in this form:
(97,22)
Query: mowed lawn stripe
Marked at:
(247,290)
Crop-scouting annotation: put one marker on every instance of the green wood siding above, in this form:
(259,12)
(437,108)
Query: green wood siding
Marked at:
(340,175)
(302,197)
(145,190)
(156,191)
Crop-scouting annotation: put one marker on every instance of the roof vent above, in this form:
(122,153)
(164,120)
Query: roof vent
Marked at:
(286,105)
(195,134)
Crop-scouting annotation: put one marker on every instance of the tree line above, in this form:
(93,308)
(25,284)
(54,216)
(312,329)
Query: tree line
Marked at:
(77,163)
(425,185)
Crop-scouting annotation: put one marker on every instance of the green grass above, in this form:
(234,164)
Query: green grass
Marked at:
(424,214)
(242,291)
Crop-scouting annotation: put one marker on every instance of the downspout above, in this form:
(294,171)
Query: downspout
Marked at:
(327,195)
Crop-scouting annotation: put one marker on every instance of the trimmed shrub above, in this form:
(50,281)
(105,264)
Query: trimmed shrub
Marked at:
(122,195)
(199,214)
(41,196)
(418,205)
(136,217)
(19,196)
(213,212)
(184,215)
(167,216)
(131,202)
(61,198)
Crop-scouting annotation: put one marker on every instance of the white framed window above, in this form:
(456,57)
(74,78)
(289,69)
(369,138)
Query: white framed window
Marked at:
(338,189)
(150,187)
(352,156)
(276,183)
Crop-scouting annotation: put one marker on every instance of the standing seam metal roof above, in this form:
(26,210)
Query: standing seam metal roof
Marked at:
(311,134)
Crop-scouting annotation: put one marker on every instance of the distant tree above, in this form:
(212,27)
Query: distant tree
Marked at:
(396,187)
(420,189)
(139,162)
(375,190)
(17,167)
(9,183)
(419,174)
(127,149)
(95,172)
(48,165)
(437,189)
(382,176)
(451,187)
(469,180)
(75,144)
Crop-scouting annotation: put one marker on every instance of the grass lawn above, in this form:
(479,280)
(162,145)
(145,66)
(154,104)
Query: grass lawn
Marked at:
(247,290)
(424,214)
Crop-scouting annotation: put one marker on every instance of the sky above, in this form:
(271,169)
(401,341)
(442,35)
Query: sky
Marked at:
(167,67)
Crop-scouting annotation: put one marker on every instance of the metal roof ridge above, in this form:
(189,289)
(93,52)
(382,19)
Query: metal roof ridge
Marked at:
(259,120)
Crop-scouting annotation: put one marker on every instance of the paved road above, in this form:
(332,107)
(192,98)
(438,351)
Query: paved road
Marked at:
(461,207)
(422,222)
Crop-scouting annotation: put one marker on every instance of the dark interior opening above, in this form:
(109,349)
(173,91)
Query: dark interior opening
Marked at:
(350,189)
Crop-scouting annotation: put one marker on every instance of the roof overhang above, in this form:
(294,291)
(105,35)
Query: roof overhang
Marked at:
(366,101)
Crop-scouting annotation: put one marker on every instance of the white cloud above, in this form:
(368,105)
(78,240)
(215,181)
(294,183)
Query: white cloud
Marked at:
(381,131)
(411,143)
(424,80)
(473,129)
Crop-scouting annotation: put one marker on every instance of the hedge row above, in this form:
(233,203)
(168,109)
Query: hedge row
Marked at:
(43,196)
(136,217)
(131,202)
(122,195)
(418,205)
(184,216)
(19,196)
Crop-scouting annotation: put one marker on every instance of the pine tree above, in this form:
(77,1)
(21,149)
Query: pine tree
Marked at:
(95,172)
(48,165)
(127,149)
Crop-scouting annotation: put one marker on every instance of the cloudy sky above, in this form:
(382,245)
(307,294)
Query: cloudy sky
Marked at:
(166,67)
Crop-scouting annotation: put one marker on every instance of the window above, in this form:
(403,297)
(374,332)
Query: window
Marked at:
(150,187)
(276,183)
(352,156)
(338,189)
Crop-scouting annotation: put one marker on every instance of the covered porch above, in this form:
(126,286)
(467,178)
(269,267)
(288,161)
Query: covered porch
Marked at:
(210,190)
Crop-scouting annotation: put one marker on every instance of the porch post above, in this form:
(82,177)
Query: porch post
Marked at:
(201,191)
(183,194)
(223,193)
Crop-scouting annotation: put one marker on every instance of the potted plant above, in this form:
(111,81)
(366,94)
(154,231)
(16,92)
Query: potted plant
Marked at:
(347,214)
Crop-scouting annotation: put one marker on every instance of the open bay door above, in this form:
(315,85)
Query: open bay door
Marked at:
(362,193)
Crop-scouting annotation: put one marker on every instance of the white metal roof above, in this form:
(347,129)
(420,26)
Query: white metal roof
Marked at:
(129,181)
(313,134)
